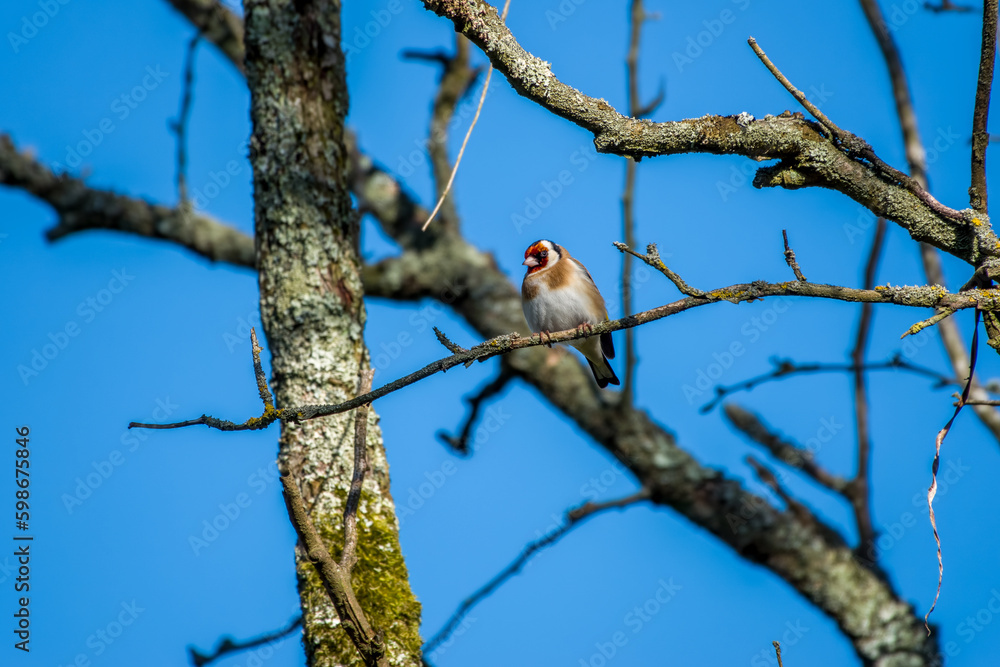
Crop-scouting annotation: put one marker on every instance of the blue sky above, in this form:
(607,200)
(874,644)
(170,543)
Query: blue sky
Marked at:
(118,576)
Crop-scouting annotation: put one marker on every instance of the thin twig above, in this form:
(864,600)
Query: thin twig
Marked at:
(456,79)
(796,93)
(454,348)
(790,258)
(652,258)
(574,518)
(180,126)
(854,145)
(938,441)
(777,651)
(637,16)
(258,371)
(947,6)
(859,488)
(980,137)
(461,151)
(784,368)
(349,557)
(984,299)
(929,322)
(916,156)
(228,646)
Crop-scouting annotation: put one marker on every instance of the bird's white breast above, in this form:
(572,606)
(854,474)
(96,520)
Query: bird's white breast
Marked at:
(561,308)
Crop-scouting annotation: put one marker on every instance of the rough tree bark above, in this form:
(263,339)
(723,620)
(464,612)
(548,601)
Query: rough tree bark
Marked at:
(312,309)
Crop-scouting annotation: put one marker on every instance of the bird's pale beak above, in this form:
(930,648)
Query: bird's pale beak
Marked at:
(530,261)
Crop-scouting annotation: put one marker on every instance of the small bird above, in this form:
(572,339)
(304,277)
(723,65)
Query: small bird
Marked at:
(558,294)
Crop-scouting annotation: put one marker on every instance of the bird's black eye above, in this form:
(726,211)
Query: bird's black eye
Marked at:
(543,254)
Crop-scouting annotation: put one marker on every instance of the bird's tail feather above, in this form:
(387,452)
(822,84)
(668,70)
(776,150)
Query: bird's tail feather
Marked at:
(603,373)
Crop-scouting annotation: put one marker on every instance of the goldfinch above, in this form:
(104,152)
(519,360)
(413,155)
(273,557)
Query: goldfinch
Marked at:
(558,294)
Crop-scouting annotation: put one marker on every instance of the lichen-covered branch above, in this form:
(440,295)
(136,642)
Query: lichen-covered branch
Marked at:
(82,208)
(915,296)
(806,157)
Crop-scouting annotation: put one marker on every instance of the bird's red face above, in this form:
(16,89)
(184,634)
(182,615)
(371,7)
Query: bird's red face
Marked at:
(536,257)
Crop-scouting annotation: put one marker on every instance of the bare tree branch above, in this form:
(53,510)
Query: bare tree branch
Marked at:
(859,489)
(980,135)
(180,125)
(785,368)
(637,16)
(793,264)
(767,476)
(349,556)
(227,645)
(218,24)
(456,79)
(946,6)
(806,158)
(574,517)
(923,297)
(81,208)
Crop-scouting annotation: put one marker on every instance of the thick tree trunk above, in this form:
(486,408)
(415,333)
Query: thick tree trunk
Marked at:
(313,312)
